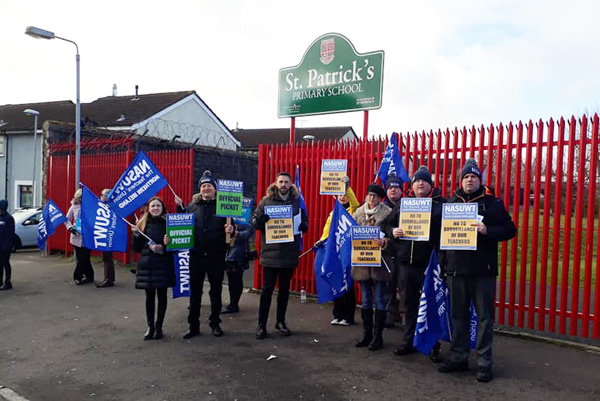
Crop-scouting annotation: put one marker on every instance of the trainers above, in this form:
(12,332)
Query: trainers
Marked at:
(343,322)
(335,322)
(449,367)
(484,374)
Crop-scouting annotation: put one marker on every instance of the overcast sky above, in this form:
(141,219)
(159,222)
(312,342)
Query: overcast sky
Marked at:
(447,63)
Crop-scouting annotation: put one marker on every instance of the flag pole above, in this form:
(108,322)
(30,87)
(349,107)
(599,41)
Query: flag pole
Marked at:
(305,253)
(139,231)
(386,265)
(172,190)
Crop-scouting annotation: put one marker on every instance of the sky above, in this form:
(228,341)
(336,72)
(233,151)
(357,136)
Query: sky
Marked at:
(447,63)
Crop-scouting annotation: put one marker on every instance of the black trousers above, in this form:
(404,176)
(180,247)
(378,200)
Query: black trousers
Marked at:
(83,265)
(109,266)
(480,290)
(200,267)
(411,282)
(151,295)
(235,280)
(5,266)
(345,306)
(393,305)
(270,275)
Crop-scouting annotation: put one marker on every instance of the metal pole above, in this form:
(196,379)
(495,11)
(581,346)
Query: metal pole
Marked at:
(77,129)
(35,120)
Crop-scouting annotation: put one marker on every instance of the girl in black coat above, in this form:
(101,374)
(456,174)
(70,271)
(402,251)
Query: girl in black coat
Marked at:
(155,272)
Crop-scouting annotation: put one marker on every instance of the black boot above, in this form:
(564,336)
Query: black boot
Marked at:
(149,333)
(367,318)
(7,285)
(377,342)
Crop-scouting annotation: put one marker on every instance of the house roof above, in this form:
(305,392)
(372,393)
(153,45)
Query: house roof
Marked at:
(103,112)
(251,138)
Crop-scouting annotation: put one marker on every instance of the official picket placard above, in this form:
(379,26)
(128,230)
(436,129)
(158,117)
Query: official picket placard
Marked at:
(415,218)
(246,212)
(180,230)
(365,251)
(230,196)
(459,231)
(332,175)
(280,227)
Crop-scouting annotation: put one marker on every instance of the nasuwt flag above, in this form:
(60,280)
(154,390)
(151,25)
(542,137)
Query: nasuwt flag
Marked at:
(473,321)
(302,205)
(392,163)
(52,218)
(181,261)
(140,182)
(325,292)
(337,261)
(433,321)
(101,228)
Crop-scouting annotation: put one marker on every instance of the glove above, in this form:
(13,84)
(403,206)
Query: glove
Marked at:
(303,227)
(262,219)
(318,244)
(346,181)
(73,231)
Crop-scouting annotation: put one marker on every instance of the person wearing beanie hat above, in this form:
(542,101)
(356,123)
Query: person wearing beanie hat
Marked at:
(7,235)
(412,257)
(278,260)
(207,258)
(471,275)
(372,279)
(393,190)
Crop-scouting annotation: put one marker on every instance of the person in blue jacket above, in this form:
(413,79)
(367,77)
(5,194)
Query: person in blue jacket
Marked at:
(237,262)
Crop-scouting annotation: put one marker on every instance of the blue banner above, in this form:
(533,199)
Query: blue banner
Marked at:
(52,218)
(433,322)
(336,267)
(181,261)
(140,182)
(101,228)
(246,212)
(392,163)
(325,292)
(301,204)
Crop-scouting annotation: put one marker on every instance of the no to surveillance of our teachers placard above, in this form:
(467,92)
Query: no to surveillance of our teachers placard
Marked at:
(279,228)
(332,177)
(459,226)
(365,251)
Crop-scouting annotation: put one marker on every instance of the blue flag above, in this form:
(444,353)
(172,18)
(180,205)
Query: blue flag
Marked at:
(473,327)
(392,163)
(325,292)
(140,182)
(52,218)
(181,261)
(337,260)
(101,228)
(301,204)
(433,322)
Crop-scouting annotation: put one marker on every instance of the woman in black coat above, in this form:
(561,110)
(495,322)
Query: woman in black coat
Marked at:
(155,273)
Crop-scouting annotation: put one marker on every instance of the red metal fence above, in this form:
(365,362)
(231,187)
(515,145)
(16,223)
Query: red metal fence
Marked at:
(102,163)
(546,174)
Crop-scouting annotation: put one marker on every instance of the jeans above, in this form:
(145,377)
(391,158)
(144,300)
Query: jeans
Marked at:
(368,288)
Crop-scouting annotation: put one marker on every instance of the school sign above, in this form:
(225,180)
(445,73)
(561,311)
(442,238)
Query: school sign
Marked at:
(331,78)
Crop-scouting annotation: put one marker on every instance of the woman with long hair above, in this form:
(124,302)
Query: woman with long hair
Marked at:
(155,273)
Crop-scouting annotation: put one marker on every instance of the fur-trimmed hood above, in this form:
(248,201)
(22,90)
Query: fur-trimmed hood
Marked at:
(272,192)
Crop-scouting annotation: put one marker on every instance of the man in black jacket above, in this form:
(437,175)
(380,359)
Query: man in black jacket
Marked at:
(471,275)
(412,257)
(208,255)
(7,235)
(280,259)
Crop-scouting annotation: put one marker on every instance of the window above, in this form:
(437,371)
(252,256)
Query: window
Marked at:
(24,196)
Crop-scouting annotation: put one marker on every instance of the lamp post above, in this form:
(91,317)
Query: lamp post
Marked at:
(35,114)
(43,34)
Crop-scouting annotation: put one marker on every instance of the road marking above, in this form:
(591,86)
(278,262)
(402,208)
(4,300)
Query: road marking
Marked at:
(9,395)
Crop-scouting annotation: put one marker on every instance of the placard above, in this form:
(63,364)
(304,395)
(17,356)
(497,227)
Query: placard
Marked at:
(229,198)
(459,226)
(365,251)
(246,212)
(180,230)
(332,175)
(279,228)
(415,218)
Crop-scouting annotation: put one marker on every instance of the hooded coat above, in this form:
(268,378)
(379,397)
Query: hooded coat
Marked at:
(281,255)
(372,273)
(153,270)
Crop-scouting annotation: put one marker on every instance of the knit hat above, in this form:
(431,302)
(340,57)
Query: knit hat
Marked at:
(470,168)
(3,204)
(207,178)
(422,174)
(393,181)
(376,189)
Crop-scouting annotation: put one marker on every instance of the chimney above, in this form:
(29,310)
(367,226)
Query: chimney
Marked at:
(114,90)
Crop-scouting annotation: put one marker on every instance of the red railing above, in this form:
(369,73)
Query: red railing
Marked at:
(546,174)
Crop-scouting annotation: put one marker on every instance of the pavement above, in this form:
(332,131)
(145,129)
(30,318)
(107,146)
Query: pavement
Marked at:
(59,341)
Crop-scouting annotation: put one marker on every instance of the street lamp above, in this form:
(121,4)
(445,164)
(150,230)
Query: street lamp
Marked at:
(43,34)
(35,114)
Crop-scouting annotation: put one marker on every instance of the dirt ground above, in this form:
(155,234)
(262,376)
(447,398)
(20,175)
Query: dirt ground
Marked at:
(59,341)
